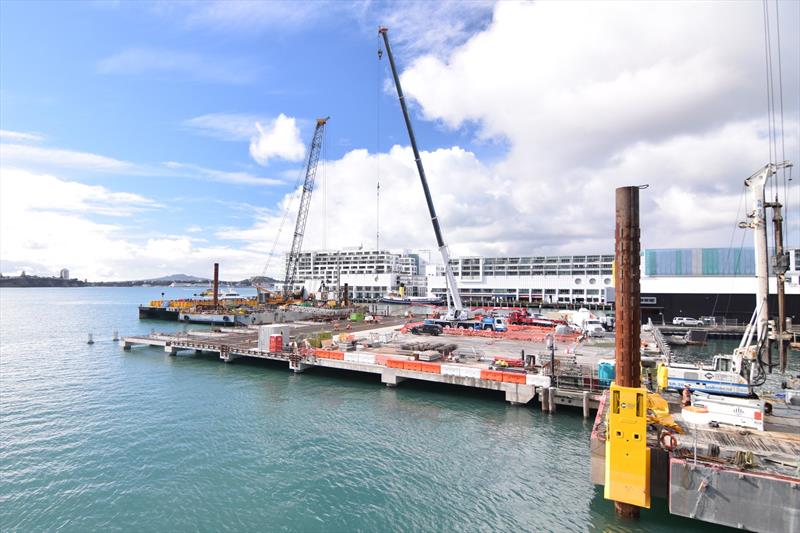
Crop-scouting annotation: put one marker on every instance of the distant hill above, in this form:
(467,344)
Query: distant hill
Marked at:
(39,281)
(184,278)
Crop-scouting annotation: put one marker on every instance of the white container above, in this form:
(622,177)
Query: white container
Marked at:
(470,372)
(537,380)
(450,370)
(731,411)
(366,358)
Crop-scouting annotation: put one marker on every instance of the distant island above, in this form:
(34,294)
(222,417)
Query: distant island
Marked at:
(182,280)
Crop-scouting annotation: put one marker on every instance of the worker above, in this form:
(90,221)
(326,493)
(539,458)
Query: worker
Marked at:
(687,396)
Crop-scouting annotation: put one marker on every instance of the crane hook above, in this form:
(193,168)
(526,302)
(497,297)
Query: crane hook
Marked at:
(380,53)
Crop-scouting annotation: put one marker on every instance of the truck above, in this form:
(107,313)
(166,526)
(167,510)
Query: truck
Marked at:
(521,318)
(491,323)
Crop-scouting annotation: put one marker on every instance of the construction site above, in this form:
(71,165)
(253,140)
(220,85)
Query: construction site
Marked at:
(704,437)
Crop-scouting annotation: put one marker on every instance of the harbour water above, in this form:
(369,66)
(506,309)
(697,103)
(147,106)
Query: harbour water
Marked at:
(92,437)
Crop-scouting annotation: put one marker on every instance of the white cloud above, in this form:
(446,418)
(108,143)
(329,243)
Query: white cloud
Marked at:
(187,65)
(45,225)
(54,194)
(239,178)
(38,156)
(418,26)
(590,96)
(472,203)
(226,126)
(278,139)
(20,136)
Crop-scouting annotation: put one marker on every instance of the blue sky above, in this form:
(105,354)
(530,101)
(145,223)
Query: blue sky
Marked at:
(151,109)
(65,77)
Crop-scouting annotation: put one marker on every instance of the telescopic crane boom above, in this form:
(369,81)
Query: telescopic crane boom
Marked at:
(457,311)
(305,202)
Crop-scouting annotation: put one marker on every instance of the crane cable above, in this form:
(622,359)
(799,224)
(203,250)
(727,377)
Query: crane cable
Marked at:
(378,71)
(289,203)
(780,96)
(378,148)
(324,190)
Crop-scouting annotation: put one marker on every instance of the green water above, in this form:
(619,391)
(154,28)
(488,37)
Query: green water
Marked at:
(95,438)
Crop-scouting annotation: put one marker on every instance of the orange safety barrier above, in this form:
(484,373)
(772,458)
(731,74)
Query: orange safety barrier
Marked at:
(513,377)
(430,368)
(383,359)
(329,354)
(395,363)
(491,375)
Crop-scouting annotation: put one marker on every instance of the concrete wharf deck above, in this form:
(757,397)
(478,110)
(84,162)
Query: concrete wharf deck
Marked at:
(577,388)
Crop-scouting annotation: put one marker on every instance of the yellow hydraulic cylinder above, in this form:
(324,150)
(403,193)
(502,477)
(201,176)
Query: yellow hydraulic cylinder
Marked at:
(627,454)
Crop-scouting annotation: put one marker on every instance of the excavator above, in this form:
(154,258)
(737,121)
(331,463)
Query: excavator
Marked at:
(287,295)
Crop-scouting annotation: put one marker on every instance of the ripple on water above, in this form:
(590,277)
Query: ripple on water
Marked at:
(92,437)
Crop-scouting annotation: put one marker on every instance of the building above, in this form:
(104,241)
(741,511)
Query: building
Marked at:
(710,282)
(369,274)
(528,279)
(691,282)
(63,274)
(674,282)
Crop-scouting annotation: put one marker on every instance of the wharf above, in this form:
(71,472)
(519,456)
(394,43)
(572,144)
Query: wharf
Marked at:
(385,351)
(742,478)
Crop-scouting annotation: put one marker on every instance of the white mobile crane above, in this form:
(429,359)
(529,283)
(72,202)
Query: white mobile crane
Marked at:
(455,309)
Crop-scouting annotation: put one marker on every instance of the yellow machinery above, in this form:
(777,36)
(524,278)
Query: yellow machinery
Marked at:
(627,455)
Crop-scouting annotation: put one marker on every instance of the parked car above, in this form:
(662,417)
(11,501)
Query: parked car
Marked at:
(427,329)
(686,321)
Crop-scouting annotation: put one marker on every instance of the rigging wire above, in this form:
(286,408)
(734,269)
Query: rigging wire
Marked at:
(289,203)
(768,76)
(783,135)
(378,72)
(378,148)
(742,202)
(324,190)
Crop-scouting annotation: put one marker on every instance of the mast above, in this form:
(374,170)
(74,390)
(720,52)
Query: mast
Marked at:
(757,183)
(458,312)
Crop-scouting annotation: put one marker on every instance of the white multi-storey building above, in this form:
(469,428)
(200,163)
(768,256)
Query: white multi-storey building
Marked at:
(369,274)
(674,282)
(532,279)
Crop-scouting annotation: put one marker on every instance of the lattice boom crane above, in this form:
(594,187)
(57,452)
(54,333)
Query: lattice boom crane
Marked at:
(305,202)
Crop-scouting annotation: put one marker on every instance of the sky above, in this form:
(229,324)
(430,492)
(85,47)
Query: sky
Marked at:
(141,139)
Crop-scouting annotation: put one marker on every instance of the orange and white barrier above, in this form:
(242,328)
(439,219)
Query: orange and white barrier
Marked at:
(461,371)
(329,354)
(360,357)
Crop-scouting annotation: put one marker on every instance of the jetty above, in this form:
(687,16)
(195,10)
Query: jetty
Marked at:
(522,370)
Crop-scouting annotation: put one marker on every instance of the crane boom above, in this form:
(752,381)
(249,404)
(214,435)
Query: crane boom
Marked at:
(305,202)
(457,312)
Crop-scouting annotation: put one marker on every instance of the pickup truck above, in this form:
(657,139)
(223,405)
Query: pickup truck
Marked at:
(686,321)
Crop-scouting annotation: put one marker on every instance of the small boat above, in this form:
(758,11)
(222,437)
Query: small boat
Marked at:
(397,298)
